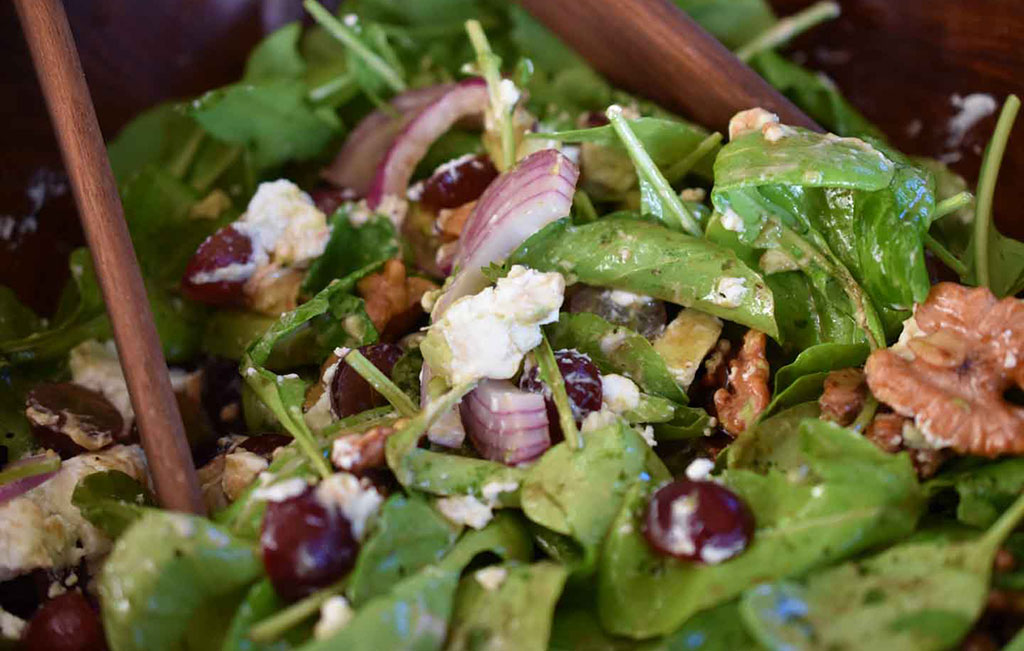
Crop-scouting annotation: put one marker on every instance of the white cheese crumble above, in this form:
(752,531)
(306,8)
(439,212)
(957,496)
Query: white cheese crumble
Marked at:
(11,627)
(488,334)
(345,453)
(508,93)
(731,221)
(600,419)
(465,510)
(699,469)
(491,490)
(728,292)
(280,491)
(619,393)
(232,273)
(282,220)
(356,498)
(623,298)
(647,433)
(335,614)
(749,121)
(678,537)
(241,468)
(491,577)
(970,110)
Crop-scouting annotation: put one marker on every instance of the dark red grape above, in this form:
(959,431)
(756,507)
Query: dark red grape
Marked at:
(225,247)
(65,623)
(582,384)
(221,395)
(327,198)
(453,185)
(648,317)
(698,521)
(350,393)
(70,419)
(265,444)
(306,545)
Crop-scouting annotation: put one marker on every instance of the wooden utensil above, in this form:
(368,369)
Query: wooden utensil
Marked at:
(653,48)
(67,97)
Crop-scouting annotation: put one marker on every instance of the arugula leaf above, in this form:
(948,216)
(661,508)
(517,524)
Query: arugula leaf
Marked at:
(616,349)
(352,248)
(111,500)
(558,490)
(408,535)
(276,56)
(273,119)
(516,614)
(444,474)
(851,497)
(985,489)
(733,22)
(648,259)
(163,136)
(803,379)
(163,571)
(919,595)
(260,602)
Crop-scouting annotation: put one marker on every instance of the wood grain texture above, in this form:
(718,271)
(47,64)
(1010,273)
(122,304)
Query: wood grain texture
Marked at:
(67,97)
(652,48)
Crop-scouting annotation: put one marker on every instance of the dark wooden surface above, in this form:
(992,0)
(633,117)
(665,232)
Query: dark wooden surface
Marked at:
(59,70)
(897,60)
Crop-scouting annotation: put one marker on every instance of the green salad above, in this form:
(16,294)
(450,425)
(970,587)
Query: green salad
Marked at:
(475,351)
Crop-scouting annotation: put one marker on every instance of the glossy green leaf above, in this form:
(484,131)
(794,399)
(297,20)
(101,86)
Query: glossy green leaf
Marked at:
(984,488)
(352,248)
(773,442)
(164,570)
(803,379)
(444,474)
(111,500)
(505,536)
(514,615)
(733,22)
(648,259)
(616,349)
(276,56)
(260,602)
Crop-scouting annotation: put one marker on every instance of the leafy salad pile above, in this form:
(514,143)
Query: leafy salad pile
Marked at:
(478,352)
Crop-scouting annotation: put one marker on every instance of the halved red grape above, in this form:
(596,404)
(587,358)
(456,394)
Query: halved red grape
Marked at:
(582,384)
(306,545)
(698,521)
(328,198)
(221,250)
(65,623)
(70,419)
(265,444)
(646,316)
(350,393)
(458,182)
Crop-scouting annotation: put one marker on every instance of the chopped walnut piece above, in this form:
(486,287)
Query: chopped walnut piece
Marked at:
(391,296)
(951,375)
(357,453)
(746,392)
(450,221)
(887,432)
(843,397)
(273,290)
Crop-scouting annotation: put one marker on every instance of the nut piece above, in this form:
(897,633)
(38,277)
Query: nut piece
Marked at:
(890,432)
(951,375)
(392,298)
(746,392)
(843,397)
(273,290)
(357,453)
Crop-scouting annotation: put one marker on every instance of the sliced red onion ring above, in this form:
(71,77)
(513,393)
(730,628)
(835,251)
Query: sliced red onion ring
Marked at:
(516,205)
(18,487)
(356,163)
(506,424)
(460,100)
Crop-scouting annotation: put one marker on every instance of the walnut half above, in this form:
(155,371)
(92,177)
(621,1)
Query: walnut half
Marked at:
(961,353)
(746,392)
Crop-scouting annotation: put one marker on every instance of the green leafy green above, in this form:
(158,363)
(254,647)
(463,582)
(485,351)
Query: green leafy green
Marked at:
(163,136)
(352,248)
(773,442)
(164,570)
(849,497)
(648,259)
(16,319)
(261,602)
(984,489)
(408,535)
(514,615)
(733,22)
(505,536)
(687,423)
(277,56)
(803,379)
(616,349)
(111,500)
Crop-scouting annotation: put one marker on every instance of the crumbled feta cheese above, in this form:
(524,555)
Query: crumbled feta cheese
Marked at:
(279,491)
(356,498)
(750,120)
(96,366)
(619,393)
(41,529)
(678,539)
(241,468)
(234,272)
(488,334)
(699,469)
(774,132)
(728,292)
(491,577)
(283,221)
(508,93)
(350,20)
(391,206)
(465,510)
(491,490)
(335,614)
(319,415)
(601,419)
(775,261)
(11,627)
(345,453)
(648,435)
(817,491)
(970,110)
(626,299)
(731,221)
(712,554)
(611,341)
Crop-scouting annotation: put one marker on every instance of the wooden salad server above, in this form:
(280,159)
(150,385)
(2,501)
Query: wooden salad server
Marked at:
(85,156)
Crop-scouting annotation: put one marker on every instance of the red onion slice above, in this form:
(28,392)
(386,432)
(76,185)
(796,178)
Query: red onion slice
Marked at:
(356,163)
(516,205)
(18,487)
(506,424)
(460,100)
